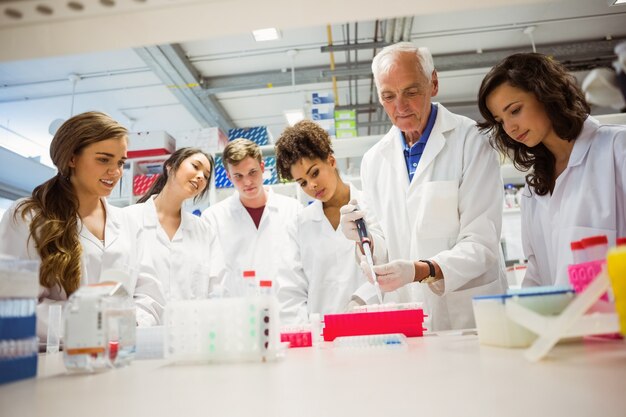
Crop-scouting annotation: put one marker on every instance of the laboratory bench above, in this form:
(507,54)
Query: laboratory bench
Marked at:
(446,374)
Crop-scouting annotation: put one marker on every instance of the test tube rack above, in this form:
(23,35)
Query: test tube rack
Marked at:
(19,285)
(222,330)
(581,275)
(407,322)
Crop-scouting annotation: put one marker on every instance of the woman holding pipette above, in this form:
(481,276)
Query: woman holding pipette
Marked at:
(321,276)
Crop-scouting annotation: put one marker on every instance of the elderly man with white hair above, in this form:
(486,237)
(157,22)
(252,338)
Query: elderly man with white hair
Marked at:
(435,190)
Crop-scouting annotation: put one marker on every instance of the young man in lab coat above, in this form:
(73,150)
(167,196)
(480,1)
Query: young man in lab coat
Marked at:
(251,225)
(434,187)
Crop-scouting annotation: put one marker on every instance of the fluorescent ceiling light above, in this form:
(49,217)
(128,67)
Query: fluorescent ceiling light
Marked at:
(268,34)
(294,116)
(616,2)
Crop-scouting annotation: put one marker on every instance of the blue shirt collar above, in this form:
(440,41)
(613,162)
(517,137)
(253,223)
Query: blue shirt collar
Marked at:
(426,134)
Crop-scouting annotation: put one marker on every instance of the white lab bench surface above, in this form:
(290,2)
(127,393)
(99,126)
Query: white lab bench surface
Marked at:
(438,375)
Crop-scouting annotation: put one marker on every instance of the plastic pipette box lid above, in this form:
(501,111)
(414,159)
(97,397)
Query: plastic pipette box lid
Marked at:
(527,292)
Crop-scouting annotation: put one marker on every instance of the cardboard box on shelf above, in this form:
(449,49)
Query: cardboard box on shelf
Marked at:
(345,115)
(208,139)
(346,133)
(345,124)
(141,144)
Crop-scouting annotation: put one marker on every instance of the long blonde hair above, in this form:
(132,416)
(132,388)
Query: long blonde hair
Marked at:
(53,206)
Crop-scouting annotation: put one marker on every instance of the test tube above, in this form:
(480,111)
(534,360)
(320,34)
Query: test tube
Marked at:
(54,328)
(265,287)
(596,247)
(249,282)
(578,252)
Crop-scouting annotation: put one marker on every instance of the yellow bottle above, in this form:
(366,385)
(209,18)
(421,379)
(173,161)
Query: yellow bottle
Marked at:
(616,265)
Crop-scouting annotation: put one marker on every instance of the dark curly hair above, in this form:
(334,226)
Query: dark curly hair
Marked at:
(564,103)
(305,139)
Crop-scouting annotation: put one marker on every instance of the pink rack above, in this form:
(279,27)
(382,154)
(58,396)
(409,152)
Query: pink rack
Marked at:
(297,339)
(581,275)
(407,322)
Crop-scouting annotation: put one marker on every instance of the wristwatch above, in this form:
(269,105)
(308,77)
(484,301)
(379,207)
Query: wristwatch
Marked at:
(431,272)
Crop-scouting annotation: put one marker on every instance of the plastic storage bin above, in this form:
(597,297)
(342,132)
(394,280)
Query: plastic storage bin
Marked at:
(496,329)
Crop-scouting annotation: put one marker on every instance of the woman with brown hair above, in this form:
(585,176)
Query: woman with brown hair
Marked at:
(537,115)
(66,223)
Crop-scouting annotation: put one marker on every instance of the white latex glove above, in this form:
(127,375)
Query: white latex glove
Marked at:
(350,213)
(392,275)
(354,302)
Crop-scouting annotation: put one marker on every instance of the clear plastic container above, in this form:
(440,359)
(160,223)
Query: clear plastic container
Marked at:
(100,328)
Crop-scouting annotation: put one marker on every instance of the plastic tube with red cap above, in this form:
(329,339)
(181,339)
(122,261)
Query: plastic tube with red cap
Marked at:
(596,247)
(578,252)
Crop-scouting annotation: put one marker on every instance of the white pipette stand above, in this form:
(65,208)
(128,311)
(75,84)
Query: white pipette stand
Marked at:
(572,322)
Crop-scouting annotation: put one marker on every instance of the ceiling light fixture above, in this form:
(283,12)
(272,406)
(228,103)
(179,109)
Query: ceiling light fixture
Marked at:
(56,123)
(267,34)
(616,2)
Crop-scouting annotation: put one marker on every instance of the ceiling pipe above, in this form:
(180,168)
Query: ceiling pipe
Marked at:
(408,25)
(398,30)
(390,24)
(329,33)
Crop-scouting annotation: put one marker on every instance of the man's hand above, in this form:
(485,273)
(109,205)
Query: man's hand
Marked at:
(392,275)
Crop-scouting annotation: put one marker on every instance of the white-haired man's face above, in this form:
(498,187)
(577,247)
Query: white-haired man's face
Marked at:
(405,93)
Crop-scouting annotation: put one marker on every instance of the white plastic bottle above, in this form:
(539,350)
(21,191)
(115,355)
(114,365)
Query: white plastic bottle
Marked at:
(250,287)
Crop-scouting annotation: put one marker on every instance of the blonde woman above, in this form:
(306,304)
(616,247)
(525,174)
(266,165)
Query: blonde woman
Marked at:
(66,223)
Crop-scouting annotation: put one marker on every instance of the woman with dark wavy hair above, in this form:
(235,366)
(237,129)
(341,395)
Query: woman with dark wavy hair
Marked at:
(66,223)
(537,115)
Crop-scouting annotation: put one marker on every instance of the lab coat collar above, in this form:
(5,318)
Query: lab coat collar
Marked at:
(112,226)
(444,123)
(583,142)
(236,205)
(151,218)
(391,146)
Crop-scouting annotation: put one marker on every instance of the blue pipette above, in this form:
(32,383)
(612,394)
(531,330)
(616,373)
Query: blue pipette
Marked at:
(367,249)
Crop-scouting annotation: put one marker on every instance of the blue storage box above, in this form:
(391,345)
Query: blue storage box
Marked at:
(258,134)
